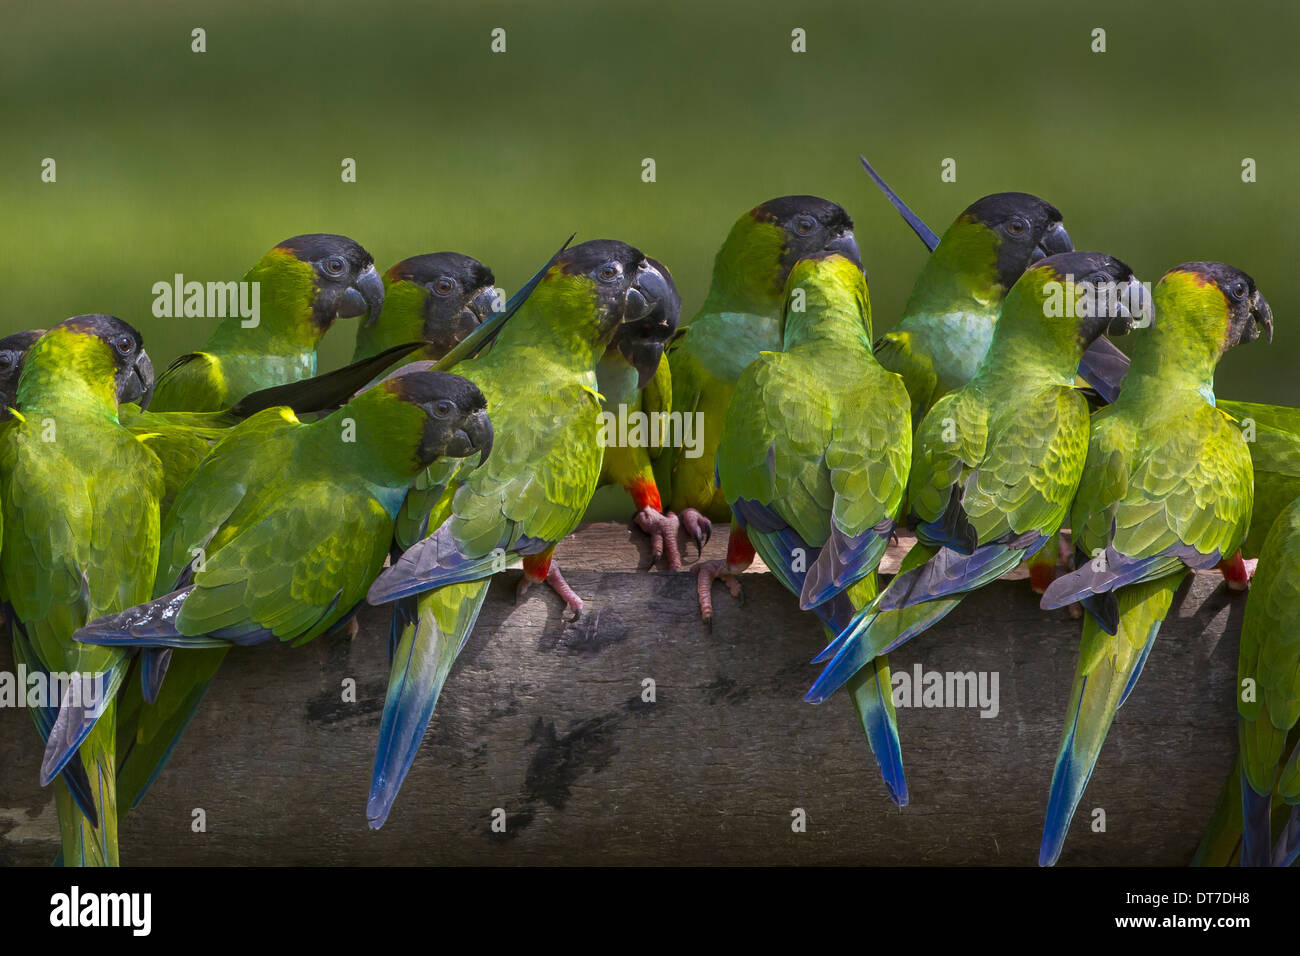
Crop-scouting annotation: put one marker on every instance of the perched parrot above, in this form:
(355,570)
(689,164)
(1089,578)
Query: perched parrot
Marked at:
(1275,454)
(813,461)
(434,299)
(1102,365)
(739,318)
(1268,696)
(1167,488)
(150,729)
(634,382)
(79,495)
(304,284)
(540,382)
(948,321)
(278,535)
(437,298)
(996,462)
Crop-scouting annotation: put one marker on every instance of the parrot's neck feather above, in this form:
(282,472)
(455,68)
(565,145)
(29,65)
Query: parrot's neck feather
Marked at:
(959,277)
(725,343)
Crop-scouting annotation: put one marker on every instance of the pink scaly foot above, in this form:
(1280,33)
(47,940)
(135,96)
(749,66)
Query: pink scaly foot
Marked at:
(698,527)
(1237,571)
(540,567)
(662,529)
(740,555)
(707,572)
(353,629)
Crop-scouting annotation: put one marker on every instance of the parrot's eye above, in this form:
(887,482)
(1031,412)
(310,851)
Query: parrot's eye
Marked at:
(609,271)
(1099,278)
(444,286)
(1017,226)
(335,266)
(125,345)
(444,408)
(804,225)
(1239,290)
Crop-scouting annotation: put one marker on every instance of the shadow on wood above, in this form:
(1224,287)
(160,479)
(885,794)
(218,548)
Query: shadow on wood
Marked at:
(546,720)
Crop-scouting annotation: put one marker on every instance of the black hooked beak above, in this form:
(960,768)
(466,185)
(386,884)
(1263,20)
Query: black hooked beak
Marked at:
(1133,310)
(475,435)
(483,304)
(1261,316)
(649,288)
(644,355)
(846,245)
(1055,240)
(138,385)
(364,297)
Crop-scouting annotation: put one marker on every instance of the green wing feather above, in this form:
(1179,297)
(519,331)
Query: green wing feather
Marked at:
(1269,656)
(1183,478)
(894,351)
(1028,480)
(81,525)
(194,382)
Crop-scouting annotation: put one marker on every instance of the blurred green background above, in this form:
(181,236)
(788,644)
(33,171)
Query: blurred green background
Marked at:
(171,161)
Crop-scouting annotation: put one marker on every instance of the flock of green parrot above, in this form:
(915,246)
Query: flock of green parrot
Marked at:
(242,498)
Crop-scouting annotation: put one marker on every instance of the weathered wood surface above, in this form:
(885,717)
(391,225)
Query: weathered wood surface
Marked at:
(546,720)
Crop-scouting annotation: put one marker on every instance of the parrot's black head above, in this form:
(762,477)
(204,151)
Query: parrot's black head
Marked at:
(642,342)
(1249,314)
(459,293)
(132,369)
(346,283)
(811,225)
(1025,228)
(1106,297)
(13,349)
(456,421)
(629,286)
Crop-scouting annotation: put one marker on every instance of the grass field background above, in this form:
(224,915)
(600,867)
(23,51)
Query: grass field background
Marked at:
(171,161)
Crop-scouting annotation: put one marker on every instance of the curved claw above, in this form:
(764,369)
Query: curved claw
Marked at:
(707,573)
(698,527)
(662,529)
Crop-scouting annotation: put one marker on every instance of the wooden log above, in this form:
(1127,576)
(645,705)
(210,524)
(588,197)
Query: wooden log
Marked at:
(547,721)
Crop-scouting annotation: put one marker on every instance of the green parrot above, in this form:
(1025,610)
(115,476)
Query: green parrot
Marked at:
(1102,365)
(79,495)
(739,318)
(1268,696)
(153,715)
(1167,488)
(540,382)
(437,298)
(948,321)
(1275,454)
(813,461)
(278,535)
(996,462)
(304,284)
(634,382)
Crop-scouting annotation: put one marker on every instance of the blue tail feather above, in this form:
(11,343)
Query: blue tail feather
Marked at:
(1255,824)
(421,664)
(870,691)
